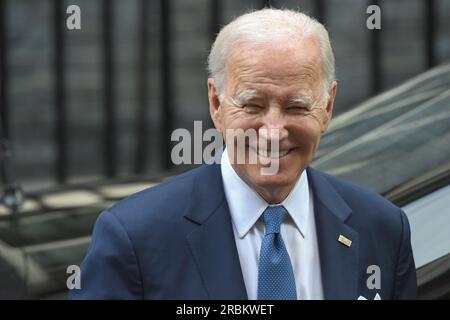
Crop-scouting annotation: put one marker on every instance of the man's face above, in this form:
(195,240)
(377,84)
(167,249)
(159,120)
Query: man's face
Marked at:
(278,88)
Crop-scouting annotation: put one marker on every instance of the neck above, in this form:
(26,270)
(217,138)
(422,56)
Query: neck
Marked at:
(274,195)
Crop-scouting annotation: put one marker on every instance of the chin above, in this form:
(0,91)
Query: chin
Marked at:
(279,180)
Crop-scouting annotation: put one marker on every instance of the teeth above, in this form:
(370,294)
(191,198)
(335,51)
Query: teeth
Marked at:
(272,154)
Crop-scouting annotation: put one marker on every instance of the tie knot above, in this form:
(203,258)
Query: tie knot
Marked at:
(273,217)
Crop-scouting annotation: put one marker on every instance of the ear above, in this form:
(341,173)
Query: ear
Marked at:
(214,105)
(329,106)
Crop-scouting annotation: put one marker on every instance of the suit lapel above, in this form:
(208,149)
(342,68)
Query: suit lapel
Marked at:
(212,243)
(339,262)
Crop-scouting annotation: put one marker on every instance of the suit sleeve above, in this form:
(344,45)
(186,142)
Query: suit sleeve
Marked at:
(405,281)
(110,269)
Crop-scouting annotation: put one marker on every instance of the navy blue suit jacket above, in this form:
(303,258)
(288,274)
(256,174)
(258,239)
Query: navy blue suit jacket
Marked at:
(175,241)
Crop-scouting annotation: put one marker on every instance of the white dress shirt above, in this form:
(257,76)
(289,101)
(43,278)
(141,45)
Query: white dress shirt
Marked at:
(298,232)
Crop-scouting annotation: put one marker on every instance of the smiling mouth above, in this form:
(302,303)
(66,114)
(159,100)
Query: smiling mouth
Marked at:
(271,154)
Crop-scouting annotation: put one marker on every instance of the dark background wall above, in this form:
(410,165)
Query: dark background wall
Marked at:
(156,76)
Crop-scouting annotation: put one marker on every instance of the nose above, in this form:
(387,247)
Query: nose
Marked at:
(274,126)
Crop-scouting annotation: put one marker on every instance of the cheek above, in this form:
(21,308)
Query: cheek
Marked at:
(236,123)
(306,131)
(238,119)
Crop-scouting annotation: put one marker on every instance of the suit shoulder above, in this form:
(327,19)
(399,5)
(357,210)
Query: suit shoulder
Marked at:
(167,200)
(366,203)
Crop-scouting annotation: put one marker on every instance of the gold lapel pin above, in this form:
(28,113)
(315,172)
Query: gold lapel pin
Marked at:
(345,241)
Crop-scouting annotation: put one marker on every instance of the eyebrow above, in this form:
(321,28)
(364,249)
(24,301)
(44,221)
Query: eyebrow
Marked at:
(245,97)
(249,95)
(306,101)
(300,100)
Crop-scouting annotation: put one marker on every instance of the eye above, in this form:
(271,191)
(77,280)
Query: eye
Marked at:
(298,108)
(252,107)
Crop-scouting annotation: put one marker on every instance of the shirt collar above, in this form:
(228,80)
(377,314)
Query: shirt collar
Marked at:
(246,205)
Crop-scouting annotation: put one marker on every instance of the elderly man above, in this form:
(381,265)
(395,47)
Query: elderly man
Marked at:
(230,231)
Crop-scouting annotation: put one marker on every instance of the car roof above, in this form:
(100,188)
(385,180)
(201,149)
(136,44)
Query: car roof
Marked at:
(394,137)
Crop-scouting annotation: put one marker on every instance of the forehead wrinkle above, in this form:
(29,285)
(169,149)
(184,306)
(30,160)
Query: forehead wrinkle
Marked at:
(256,60)
(263,76)
(255,81)
(242,67)
(243,70)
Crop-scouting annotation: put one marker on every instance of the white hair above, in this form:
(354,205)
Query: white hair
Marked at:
(266,26)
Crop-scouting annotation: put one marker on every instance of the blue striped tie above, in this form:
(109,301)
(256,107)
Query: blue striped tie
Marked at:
(275,275)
